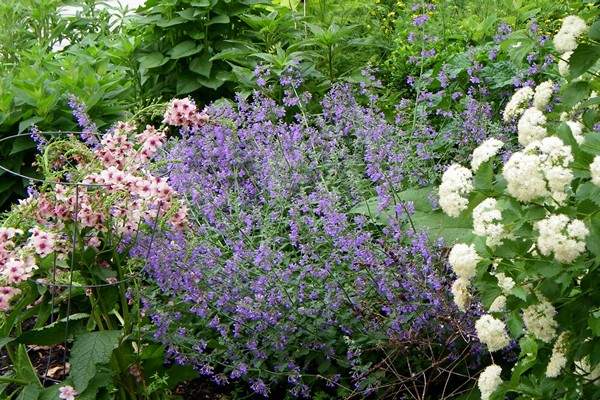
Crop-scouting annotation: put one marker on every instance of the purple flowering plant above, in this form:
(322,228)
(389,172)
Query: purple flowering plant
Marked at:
(301,274)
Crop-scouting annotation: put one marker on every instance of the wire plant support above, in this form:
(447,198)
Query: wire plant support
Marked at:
(74,232)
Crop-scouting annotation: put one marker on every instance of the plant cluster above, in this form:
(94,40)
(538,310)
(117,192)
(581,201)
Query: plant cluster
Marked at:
(534,259)
(300,270)
(65,264)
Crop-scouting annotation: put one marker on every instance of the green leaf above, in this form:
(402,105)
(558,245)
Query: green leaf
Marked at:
(202,65)
(219,19)
(28,123)
(588,191)
(90,350)
(185,49)
(153,60)
(574,93)
(21,143)
(53,333)
(583,58)
(594,32)
(594,323)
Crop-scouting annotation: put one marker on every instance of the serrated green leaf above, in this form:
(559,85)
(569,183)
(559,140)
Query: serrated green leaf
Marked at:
(53,333)
(588,191)
(574,92)
(90,350)
(583,58)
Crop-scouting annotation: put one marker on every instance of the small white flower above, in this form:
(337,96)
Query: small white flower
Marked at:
(489,380)
(499,304)
(563,64)
(486,222)
(492,332)
(562,237)
(506,283)
(531,126)
(460,293)
(539,319)
(463,259)
(543,94)
(456,184)
(558,360)
(577,131)
(515,106)
(566,38)
(595,171)
(484,152)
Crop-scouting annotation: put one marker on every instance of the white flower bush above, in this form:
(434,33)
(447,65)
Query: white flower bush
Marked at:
(534,258)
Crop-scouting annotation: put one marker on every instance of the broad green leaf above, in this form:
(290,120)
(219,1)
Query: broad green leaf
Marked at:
(594,32)
(28,123)
(53,333)
(90,350)
(440,225)
(583,58)
(219,19)
(153,60)
(588,191)
(574,92)
(20,144)
(185,49)
(164,23)
(202,65)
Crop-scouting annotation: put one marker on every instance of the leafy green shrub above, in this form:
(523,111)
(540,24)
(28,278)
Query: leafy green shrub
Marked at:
(534,259)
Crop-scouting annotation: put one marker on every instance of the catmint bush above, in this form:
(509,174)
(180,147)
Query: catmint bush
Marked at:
(300,270)
(534,262)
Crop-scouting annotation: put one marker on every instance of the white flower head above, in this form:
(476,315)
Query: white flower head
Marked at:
(460,293)
(457,183)
(563,64)
(539,319)
(562,237)
(540,170)
(558,360)
(584,369)
(463,259)
(577,130)
(506,283)
(484,152)
(499,304)
(543,94)
(518,102)
(489,380)
(595,171)
(566,38)
(531,126)
(492,332)
(486,222)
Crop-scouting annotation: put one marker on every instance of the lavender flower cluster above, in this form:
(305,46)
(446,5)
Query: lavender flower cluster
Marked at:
(283,279)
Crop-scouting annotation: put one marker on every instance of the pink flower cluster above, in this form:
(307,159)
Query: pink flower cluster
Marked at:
(17,262)
(113,196)
(183,112)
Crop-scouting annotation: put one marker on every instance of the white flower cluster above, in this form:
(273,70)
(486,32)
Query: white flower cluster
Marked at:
(595,171)
(543,94)
(484,152)
(456,184)
(577,130)
(489,380)
(531,126)
(463,259)
(583,368)
(558,360)
(563,64)
(540,170)
(492,332)
(515,106)
(499,304)
(561,236)
(486,223)
(566,38)
(506,283)
(539,319)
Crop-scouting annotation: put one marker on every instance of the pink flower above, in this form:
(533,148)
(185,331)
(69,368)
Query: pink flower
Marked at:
(6,294)
(67,393)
